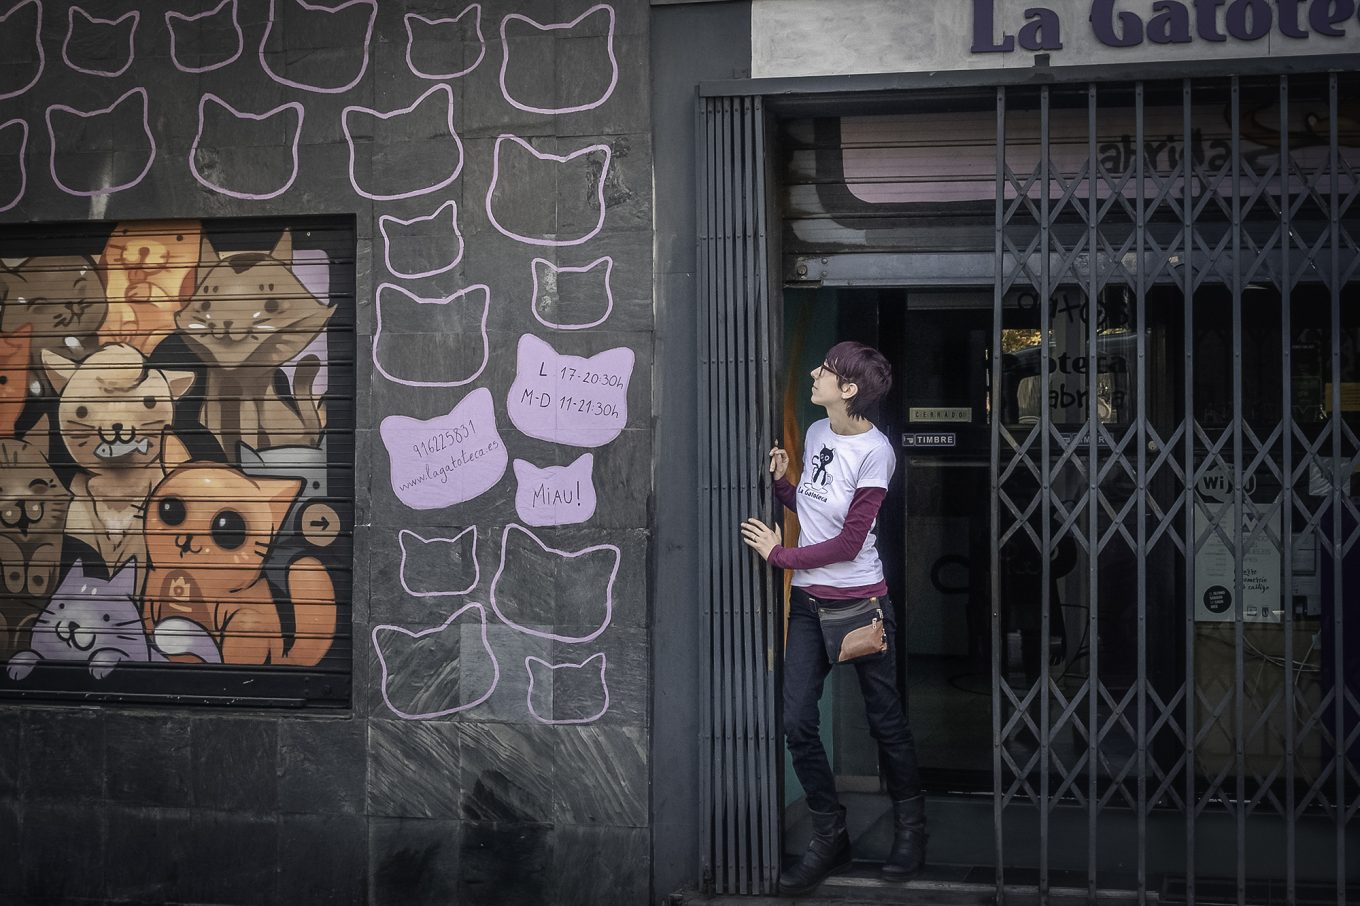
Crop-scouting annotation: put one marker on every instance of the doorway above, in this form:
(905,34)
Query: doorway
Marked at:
(1172,451)
(934,536)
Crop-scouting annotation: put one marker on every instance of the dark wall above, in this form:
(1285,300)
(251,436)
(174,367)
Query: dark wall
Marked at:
(497,740)
(723,31)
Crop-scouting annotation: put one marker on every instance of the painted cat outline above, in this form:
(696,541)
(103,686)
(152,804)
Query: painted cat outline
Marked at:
(21,154)
(605,620)
(208,180)
(90,20)
(37,43)
(171,17)
(56,147)
(529,696)
(387,676)
(515,140)
(457,539)
(605,95)
(409,18)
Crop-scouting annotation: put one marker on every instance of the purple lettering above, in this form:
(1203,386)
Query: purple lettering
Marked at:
(1324,14)
(1206,20)
(1248,20)
(1129,32)
(1289,18)
(1170,23)
(1042,30)
(984,19)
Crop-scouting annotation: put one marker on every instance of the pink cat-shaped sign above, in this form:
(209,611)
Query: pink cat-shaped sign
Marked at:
(447,459)
(555,495)
(570,399)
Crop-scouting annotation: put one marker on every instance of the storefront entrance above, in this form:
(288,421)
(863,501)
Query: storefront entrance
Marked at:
(1124,322)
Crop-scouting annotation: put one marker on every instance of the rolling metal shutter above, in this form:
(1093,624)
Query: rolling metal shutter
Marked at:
(177,461)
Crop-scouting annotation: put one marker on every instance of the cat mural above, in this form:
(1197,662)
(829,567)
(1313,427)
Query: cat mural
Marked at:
(61,300)
(149,271)
(310,465)
(14,352)
(250,315)
(97,622)
(209,532)
(33,512)
(111,415)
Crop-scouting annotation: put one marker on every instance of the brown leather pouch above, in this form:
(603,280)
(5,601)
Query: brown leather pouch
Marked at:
(853,630)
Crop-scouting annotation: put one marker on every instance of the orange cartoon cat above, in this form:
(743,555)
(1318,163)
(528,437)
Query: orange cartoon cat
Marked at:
(149,271)
(13,376)
(112,413)
(250,315)
(209,530)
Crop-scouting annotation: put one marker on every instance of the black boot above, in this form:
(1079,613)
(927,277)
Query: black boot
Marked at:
(827,853)
(908,854)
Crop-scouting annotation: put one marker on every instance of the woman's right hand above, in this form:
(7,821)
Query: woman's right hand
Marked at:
(779,462)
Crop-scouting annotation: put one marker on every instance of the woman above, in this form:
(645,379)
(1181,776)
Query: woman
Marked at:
(848,463)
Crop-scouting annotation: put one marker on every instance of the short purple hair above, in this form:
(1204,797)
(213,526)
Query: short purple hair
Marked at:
(863,366)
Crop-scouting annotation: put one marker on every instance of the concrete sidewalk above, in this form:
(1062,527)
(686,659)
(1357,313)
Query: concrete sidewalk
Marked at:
(938,886)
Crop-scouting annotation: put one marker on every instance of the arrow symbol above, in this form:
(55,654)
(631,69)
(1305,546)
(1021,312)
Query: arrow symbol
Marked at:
(323,523)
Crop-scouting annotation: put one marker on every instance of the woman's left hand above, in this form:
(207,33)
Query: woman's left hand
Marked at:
(760,537)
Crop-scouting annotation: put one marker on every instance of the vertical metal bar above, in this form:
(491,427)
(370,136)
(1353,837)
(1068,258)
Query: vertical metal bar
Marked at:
(1140,240)
(703,129)
(737,380)
(720,557)
(1239,534)
(769,799)
(726,512)
(757,470)
(1339,488)
(720,565)
(1092,495)
(739,454)
(1287,491)
(1188,290)
(753,476)
(998,286)
(1046,490)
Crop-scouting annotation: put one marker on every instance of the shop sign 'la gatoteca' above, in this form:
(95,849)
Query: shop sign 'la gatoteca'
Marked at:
(1169,22)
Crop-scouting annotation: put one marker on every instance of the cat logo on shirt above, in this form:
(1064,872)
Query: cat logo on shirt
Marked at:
(821,461)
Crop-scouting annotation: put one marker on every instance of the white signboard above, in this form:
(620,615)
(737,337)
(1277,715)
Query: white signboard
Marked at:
(1216,562)
(819,38)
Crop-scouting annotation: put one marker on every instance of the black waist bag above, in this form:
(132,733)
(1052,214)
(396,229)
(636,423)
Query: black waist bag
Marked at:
(853,630)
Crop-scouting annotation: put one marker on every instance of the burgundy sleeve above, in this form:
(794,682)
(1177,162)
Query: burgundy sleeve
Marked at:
(786,494)
(845,546)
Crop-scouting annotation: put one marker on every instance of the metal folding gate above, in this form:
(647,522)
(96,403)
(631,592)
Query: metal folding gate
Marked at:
(740,745)
(1204,719)
(1208,747)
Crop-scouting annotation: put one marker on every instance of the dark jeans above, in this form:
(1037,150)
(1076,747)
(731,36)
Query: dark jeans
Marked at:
(805,670)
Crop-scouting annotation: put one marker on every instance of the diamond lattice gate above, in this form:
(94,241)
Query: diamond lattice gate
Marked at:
(1175,398)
